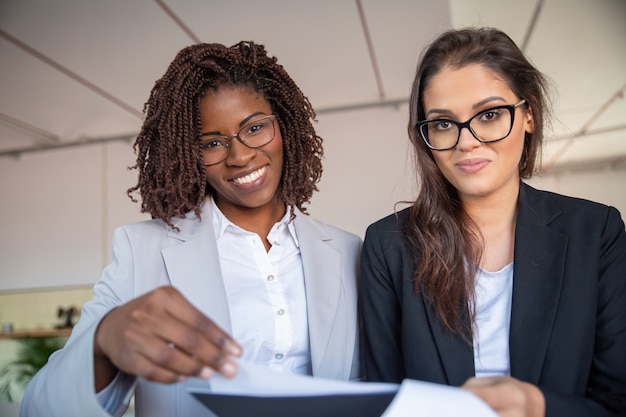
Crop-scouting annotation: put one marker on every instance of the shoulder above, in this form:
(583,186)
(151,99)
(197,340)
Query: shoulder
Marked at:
(325,231)
(337,232)
(535,196)
(557,208)
(184,227)
(146,229)
(392,224)
(386,237)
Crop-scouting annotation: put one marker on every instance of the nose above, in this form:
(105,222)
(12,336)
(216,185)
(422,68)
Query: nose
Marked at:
(239,154)
(467,141)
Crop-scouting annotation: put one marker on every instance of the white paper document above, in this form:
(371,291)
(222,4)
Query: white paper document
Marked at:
(417,398)
(276,394)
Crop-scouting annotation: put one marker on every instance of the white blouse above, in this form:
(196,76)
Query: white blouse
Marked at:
(494,292)
(266,294)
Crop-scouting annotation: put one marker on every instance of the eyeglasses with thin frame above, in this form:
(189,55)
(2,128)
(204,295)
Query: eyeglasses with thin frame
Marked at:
(489,125)
(254,134)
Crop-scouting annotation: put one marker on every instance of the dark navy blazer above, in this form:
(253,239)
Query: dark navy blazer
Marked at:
(568,317)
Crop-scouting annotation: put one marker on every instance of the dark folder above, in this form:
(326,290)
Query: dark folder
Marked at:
(335,405)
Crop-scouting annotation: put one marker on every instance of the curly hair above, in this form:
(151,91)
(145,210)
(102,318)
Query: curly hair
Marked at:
(172,180)
(444,241)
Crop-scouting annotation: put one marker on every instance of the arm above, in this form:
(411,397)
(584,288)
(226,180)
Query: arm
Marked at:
(68,383)
(380,310)
(606,386)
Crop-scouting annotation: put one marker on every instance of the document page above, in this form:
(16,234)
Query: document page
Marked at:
(417,399)
(259,380)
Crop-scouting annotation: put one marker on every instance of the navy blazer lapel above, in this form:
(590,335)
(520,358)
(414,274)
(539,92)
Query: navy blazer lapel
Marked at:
(537,278)
(193,266)
(322,275)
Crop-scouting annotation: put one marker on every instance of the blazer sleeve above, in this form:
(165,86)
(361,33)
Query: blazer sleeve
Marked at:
(606,386)
(65,385)
(380,307)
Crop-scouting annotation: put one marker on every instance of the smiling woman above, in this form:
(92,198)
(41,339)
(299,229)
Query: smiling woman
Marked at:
(227,159)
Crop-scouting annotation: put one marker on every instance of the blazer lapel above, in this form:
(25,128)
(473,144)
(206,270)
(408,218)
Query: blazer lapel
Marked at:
(193,265)
(322,271)
(537,279)
(456,354)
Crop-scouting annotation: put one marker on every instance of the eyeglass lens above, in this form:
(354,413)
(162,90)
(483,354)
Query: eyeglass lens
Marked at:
(254,135)
(487,126)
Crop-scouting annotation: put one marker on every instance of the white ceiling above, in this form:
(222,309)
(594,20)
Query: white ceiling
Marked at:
(80,70)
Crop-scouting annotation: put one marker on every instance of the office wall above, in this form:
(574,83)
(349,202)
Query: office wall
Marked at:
(57,212)
(58,208)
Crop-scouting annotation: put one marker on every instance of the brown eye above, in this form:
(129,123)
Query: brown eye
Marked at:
(212,144)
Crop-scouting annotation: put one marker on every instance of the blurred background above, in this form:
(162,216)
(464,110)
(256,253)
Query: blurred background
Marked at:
(74,75)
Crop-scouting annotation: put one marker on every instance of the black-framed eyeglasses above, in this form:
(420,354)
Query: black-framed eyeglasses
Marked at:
(254,134)
(489,125)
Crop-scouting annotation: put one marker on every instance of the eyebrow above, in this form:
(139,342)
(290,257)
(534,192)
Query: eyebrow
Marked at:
(474,106)
(241,124)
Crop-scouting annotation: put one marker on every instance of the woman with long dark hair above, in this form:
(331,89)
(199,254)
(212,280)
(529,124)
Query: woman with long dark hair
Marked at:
(516,294)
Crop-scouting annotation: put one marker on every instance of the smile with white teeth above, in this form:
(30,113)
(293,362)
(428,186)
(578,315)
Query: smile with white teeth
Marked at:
(251,177)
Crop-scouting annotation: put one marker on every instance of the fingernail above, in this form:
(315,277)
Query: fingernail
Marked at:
(233,349)
(206,373)
(228,369)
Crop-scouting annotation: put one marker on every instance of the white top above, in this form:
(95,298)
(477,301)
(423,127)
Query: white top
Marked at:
(494,292)
(266,294)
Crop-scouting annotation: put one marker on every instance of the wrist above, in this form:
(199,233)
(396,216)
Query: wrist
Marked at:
(104,369)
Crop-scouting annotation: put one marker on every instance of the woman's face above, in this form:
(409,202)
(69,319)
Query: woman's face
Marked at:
(477,169)
(248,178)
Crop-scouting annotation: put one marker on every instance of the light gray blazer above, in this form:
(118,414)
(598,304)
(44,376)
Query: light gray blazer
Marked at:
(149,254)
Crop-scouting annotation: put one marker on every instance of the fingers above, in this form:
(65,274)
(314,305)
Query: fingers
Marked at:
(154,358)
(492,391)
(189,349)
(195,328)
(508,396)
(162,337)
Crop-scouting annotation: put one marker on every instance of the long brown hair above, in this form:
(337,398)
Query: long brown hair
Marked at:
(172,177)
(444,240)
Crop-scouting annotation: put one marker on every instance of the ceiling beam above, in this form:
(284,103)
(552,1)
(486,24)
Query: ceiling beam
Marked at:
(370,49)
(614,162)
(533,22)
(619,94)
(71,74)
(40,135)
(17,152)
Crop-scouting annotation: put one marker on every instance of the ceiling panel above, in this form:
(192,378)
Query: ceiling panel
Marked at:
(319,43)
(76,69)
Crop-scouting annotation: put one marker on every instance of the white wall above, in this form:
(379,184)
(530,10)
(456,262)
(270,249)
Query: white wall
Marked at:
(58,208)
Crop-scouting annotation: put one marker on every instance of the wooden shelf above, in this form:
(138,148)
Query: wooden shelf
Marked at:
(20,334)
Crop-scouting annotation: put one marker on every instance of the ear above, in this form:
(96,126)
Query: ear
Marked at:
(529,121)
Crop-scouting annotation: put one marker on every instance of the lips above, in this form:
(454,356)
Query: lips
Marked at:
(251,177)
(472,166)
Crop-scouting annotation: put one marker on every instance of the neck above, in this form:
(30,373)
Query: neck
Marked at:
(488,211)
(259,220)
(495,217)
